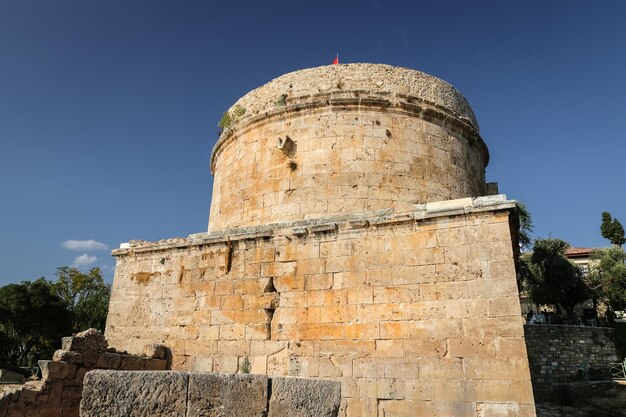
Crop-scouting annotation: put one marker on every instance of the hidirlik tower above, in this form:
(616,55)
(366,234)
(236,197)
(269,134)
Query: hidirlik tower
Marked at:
(351,237)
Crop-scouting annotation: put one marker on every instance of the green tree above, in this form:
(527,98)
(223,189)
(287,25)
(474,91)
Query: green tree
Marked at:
(607,277)
(525,226)
(552,278)
(612,229)
(525,241)
(86,295)
(32,321)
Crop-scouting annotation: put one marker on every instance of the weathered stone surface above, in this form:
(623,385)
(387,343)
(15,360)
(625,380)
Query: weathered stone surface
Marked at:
(144,393)
(58,393)
(227,395)
(73,343)
(54,370)
(109,361)
(378,307)
(362,77)
(296,397)
(67,356)
(94,340)
(134,394)
(155,351)
(365,137)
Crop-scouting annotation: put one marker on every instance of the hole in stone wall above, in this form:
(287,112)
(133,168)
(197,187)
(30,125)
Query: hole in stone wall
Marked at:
(388,133)
(269,287)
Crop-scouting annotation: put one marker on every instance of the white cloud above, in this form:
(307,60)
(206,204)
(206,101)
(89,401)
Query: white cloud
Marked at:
(84,245)
(84,260)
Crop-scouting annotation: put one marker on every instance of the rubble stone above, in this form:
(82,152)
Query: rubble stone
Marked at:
(58,393)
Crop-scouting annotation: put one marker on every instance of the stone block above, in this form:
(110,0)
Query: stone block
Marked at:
(219,395)
(382,388)
(67,356)
(361,331)
(4,404)
(361,407)
(54,370)
(10,377)
(465,347)
(73,343)
(109,361)
(226,364)
(304,397)
(73,393)
(497,409)
(418,389)
(28,395)
(90,358)
(132,363)
(55,394)
(504,391)
(93,340)
(504,306)
(134,394)
(496,368)
(156,364)
(155,351)
(79,376)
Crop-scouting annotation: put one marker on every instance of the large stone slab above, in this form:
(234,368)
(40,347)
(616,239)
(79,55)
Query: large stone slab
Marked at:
(10,377)
(134,394)
(222,395)
(296,397)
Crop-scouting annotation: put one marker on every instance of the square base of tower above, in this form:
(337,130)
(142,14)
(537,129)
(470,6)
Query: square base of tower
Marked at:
(415,313)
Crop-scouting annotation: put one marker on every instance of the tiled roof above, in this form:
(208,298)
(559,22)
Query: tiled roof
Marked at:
(572,251)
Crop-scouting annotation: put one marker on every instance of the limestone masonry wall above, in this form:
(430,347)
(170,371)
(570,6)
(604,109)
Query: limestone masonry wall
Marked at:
(557,353)
(58,393)
(345,139)
(415,313)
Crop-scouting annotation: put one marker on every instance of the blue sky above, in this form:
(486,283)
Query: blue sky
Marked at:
(108,109)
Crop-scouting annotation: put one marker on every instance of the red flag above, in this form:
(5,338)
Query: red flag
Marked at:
(336,60)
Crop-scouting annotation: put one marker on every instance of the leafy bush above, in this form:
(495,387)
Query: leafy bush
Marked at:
(230,118)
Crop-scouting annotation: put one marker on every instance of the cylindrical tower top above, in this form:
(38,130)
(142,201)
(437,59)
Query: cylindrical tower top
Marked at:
(341,139)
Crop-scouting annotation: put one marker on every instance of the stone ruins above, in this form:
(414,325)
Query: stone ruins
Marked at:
(58,393)
(352,238)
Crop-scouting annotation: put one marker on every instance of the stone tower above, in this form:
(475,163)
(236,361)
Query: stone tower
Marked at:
(344,139)
(351,238)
